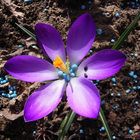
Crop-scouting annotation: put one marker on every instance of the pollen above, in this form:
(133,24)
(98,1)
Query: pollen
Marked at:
(58,63)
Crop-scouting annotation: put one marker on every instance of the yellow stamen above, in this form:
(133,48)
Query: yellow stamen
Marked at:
(67,63)
(58,63)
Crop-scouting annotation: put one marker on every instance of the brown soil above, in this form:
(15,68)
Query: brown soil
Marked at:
(122,112)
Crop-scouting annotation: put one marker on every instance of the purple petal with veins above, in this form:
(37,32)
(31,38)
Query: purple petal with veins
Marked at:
(44,100)
(80,38)
(102,64)
(83,97)
(50,40)
(30,68)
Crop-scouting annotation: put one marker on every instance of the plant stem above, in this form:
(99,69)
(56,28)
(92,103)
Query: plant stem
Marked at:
(125,34)
(65,125)
(26,31)
(104,122)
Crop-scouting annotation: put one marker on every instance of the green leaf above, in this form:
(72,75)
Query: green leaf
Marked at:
(65,125)
(125,34)
(26,31)
(104,122)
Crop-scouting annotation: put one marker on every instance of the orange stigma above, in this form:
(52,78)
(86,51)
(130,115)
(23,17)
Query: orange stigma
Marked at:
(58,63)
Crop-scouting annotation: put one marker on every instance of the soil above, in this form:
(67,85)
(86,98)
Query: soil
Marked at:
(121,108)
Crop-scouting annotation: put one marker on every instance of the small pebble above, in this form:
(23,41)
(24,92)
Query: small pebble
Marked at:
(130,131)
(138,87)
(34,47)
(3,94)
(135,54)
(34,133)
(114,84)
(113,80)
(13,95)
(136,102)
(106,14)
(135,108)
(135,81)
(134,87)
(128,91)
(135,76)
(89,2)
(112,94)
(112,40)
(11,87)
(119,94)
(10,92)
(99,31)
(6,78)
(81,131)
(102,102)
(115,106)
(113,137)
(131,73)
(28,1)
(9,95)
(45,10)
(3,81)
(83,7)
(90,51)
(102,129)
(20,46)
(117,14)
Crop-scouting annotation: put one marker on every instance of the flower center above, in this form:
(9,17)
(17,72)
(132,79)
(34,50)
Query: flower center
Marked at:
(65,70)
(58,63)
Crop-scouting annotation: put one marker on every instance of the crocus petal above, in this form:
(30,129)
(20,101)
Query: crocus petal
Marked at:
(50,40)
(83,97)
(80,38)
(43,101)
(102,64)
(30,69)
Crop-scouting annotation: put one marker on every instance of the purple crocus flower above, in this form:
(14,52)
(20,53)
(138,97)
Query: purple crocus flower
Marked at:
(69,71)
